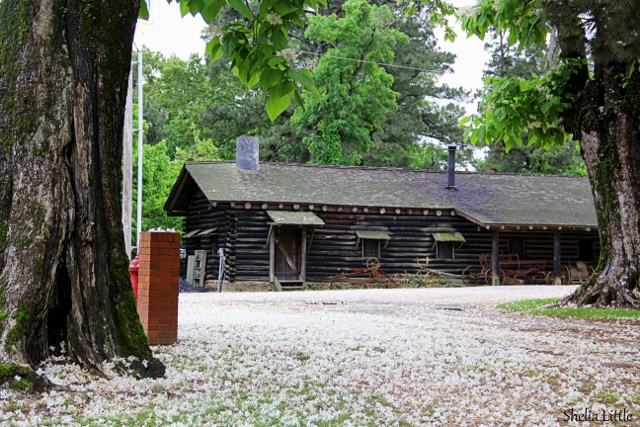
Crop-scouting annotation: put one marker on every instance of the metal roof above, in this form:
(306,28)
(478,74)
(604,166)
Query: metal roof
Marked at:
(373,235)
(484,198)
(448,237)
(294,218)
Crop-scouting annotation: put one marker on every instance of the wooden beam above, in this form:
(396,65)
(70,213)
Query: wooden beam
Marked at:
(557,253)
(495,258)
(303,256)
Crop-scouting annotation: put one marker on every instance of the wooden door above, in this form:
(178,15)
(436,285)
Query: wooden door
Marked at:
(287,256)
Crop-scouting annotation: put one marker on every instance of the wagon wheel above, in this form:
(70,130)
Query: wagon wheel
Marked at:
(536,277)
(472,276)
(550,278)
(488,278)
(566,275)
(372,263)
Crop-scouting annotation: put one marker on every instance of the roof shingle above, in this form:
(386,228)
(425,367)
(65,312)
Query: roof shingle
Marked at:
(483,197)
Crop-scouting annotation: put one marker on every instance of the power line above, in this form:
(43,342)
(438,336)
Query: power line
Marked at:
(370,62)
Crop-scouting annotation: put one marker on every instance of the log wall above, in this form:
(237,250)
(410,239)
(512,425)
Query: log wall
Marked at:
(243,232)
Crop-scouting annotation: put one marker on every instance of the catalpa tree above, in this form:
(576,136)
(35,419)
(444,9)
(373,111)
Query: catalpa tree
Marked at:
(592,94)
(64,66)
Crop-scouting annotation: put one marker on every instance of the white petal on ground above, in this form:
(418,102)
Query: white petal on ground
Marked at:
(380,357)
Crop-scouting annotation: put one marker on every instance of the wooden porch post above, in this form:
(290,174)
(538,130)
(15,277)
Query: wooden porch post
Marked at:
(272,256)
(303,256)
(495,258)
(557,252)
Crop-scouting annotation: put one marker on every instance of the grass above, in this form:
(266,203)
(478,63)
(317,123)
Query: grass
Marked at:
(537,306)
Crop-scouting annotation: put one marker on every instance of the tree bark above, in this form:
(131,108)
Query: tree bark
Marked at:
(63,268)
(609,135)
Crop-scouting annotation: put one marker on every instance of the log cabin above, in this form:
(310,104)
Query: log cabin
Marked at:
(293,223)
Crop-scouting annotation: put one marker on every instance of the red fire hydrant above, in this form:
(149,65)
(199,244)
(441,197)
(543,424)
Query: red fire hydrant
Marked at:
(133,274)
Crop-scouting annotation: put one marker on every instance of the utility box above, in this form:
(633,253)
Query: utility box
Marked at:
(197,268)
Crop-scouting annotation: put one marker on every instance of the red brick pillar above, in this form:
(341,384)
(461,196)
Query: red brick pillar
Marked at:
(158,284)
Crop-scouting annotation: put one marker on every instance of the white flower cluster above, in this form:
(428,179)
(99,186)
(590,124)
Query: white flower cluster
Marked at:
(214,31)
(162,230)
(352,358)
(274,18)
(288,54)
(309,64)
(468,11)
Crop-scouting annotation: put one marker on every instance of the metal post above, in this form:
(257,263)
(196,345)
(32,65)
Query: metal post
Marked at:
(221,269)
(127,176)
(140,117)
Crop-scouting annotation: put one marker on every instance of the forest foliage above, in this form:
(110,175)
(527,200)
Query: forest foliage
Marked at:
(374,97)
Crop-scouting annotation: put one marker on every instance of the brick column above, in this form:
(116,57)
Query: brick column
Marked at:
(158,284)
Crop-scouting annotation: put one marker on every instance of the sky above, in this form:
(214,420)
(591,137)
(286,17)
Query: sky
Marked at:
(166,32)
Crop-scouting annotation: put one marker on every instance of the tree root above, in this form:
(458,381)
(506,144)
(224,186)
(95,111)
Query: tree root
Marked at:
(25,379)
(601,291)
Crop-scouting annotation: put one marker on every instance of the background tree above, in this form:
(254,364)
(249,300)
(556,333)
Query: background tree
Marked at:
(355,91)
(427,116)
(507,61)
(159,174)
(177,93)
(423,113)
(592,95)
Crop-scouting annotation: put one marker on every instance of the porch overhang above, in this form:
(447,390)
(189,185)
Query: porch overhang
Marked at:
(295,218)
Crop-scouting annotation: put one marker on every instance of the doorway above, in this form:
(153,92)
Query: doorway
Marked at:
(288,254)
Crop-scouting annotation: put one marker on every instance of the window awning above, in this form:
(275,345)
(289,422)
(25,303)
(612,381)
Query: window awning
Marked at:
(372,235)
(295,218)
(192,233)
(208,231)
(448,237)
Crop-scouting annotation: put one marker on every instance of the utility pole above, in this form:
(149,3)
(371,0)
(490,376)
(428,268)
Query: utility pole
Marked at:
(140,117)
(127,178)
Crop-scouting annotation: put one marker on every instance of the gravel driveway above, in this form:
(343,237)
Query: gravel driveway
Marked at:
(404,357)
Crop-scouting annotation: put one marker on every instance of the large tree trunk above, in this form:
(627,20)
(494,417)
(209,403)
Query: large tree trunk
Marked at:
(610,140)
(64,66)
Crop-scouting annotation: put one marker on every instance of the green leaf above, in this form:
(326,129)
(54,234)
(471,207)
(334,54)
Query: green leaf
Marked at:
(283,8)
(270,77)
(305,80)
(241,7)
(482,130)
(278,39)
(214,49)
(277,104)
(500,114)
(143,13)
(298,99)
(285,88)
(546,106)
(184,8)
(196,6)
(276,60)
(210,12)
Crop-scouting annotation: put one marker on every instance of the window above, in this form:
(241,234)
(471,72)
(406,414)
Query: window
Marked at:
(371,242)
(444,250)
(446,244)
(370,248)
